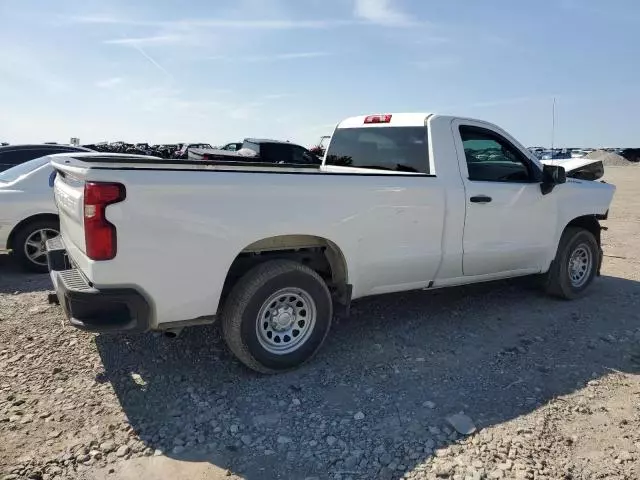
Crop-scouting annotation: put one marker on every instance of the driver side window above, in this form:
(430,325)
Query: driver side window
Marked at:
(491,158)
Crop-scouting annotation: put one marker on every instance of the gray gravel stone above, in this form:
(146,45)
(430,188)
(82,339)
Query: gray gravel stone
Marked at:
(462,423)
(108,446)
(122,451)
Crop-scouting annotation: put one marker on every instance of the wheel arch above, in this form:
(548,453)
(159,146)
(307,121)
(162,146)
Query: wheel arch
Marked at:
(26,221)
(319,253)
(589,223)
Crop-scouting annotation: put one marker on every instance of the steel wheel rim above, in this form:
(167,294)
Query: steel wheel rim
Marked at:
(286,320)
(580,265)
(35,248)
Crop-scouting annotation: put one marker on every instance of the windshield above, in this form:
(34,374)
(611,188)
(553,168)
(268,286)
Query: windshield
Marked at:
(402,149)
(252,146)
(14,173)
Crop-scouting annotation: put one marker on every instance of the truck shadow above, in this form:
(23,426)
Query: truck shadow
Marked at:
(12,274)
(495,351)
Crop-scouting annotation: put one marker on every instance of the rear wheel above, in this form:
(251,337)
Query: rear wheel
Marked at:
(277,316)
(575,265)
(29,244)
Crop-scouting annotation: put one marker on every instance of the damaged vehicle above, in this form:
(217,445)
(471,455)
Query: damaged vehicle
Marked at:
(581,168)
(271,251)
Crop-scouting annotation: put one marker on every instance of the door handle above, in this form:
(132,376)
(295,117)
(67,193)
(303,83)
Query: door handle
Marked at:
(480,199)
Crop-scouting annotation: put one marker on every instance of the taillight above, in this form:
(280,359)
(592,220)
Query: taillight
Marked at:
(378,119)
(99,234)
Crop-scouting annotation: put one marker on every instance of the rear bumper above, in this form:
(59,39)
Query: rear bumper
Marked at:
(111,310)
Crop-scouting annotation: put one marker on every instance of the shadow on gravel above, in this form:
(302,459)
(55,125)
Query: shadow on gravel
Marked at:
(14,279)
(495,351)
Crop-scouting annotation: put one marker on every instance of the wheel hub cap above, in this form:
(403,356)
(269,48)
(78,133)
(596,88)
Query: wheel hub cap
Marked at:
(35,248)
(285,321)
(580,265)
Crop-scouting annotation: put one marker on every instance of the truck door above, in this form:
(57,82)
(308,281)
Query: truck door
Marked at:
(509,223)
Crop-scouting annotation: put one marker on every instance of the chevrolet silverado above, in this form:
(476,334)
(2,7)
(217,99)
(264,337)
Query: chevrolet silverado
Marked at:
(400,202)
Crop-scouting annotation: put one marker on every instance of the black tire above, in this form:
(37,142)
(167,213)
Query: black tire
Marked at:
(558,281)
(21,237)
(249,297)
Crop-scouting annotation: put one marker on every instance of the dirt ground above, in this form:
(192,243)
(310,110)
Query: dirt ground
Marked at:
(552,387)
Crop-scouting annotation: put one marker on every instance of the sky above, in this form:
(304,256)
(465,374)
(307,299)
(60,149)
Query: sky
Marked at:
(163,71)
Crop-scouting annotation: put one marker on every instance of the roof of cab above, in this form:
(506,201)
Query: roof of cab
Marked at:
(397,120)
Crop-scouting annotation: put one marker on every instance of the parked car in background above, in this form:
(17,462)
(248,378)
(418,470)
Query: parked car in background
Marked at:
(183,152)
(13,155)
(321,147)
(402,202)
(259,150)
(232,147)
(165,150)
(28,215)
(631,154)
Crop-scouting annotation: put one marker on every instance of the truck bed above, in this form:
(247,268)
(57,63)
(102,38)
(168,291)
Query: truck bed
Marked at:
(211,219)
(142,162)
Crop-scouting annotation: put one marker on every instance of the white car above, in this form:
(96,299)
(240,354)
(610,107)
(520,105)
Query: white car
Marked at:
(401,202)
(28,215)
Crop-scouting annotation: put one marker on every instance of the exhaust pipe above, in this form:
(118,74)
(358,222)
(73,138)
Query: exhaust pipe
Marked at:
(172,333)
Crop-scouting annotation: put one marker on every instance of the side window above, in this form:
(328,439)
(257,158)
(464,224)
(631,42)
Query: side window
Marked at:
(491,158)
(17,157)
(276,152)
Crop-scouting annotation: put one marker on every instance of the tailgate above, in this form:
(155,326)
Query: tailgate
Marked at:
(69,197)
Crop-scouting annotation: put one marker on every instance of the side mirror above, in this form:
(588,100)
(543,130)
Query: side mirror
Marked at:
(552,175)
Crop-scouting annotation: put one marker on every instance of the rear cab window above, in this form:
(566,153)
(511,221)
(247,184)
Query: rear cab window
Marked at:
(395,148)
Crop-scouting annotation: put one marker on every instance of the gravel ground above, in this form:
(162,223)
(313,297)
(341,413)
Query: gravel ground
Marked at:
(548,389)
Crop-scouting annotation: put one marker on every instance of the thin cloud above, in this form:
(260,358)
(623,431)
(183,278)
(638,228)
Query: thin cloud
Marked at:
(109,82)
(283,24)
(381,12)
(271,57)
(151,60)
(148,41)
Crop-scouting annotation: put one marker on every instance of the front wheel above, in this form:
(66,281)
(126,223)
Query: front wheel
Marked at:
(575,265)
(277,316)
(29,245)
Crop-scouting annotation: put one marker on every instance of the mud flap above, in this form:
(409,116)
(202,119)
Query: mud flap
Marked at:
(600,260)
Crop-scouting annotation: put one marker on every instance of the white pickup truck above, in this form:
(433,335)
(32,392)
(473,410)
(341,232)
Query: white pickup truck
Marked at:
(401,202)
